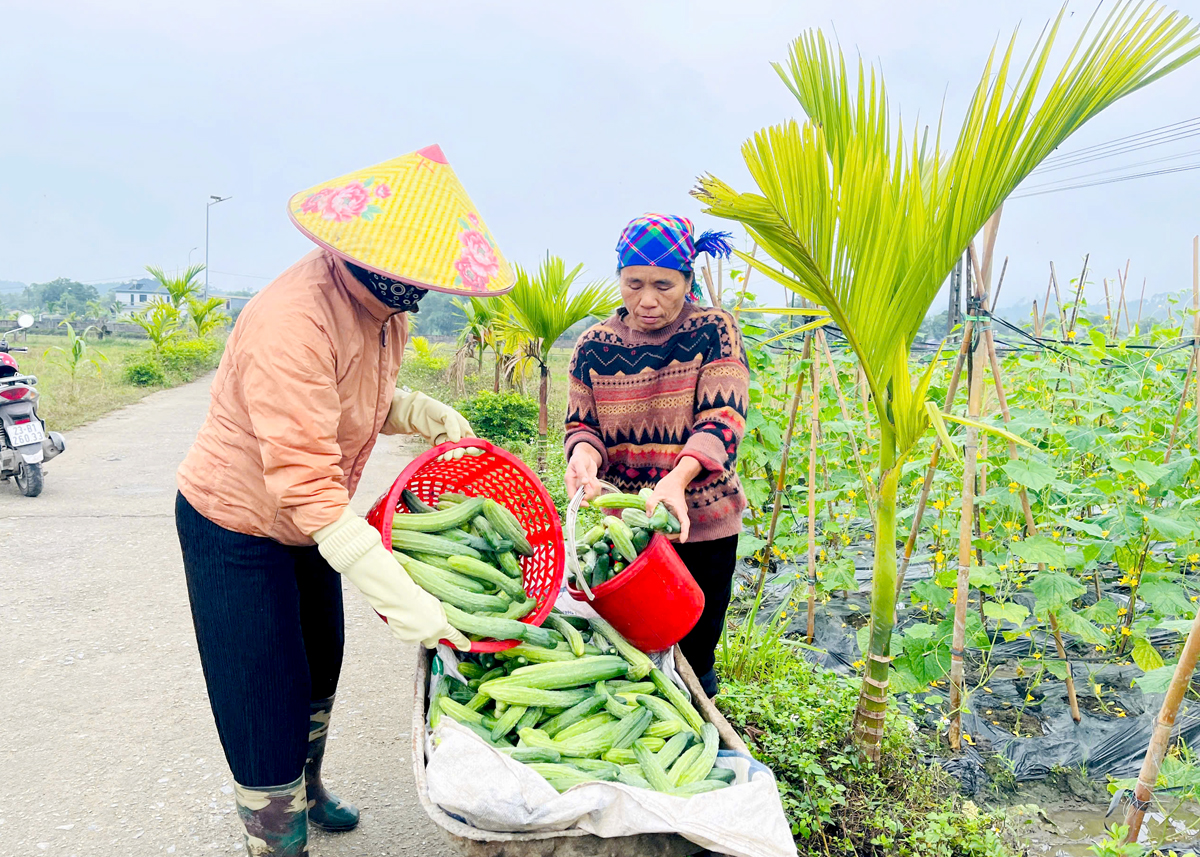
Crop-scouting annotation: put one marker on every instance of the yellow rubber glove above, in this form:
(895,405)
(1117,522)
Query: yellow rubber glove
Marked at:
(354,549)
(416,413)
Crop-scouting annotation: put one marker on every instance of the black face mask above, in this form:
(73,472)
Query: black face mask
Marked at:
(397,295)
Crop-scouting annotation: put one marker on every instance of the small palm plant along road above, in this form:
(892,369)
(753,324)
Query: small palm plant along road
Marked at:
(109,746)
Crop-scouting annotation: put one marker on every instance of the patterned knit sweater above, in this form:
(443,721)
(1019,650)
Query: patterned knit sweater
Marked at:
(645,400)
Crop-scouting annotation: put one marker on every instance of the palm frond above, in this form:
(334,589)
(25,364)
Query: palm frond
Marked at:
(868,222)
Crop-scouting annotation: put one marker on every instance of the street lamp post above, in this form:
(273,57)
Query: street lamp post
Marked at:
(213,200)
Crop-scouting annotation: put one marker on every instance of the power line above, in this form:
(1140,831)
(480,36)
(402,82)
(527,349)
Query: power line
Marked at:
(247,276)
(1145,139)
(1182,169)
(1081,176)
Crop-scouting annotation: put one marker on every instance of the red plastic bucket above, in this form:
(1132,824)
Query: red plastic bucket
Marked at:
(500,475)
(654,602)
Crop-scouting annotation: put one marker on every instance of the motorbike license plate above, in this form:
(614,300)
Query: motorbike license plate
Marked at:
(21,434)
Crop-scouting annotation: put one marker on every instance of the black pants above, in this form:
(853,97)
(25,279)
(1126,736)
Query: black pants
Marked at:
(711,564)
(269,625)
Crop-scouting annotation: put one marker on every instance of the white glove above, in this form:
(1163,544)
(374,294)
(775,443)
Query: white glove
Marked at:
(416,413)
(355,551)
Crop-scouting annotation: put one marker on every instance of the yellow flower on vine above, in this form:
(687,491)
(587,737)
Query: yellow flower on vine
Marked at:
(1070,334)
(1125,632)
(939,505)
(1193,558)
(939,557)
(1013,487)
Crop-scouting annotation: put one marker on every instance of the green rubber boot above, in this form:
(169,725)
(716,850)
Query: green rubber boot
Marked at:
(324,810)
(275,819)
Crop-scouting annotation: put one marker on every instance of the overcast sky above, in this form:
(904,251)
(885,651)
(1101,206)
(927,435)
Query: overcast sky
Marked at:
(563,120)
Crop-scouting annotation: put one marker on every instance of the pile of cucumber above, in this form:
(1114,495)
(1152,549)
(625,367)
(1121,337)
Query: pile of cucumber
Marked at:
(609,547)
(589,706)
(464,553)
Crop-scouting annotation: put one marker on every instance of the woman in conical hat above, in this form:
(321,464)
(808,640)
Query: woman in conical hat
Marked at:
(306,384)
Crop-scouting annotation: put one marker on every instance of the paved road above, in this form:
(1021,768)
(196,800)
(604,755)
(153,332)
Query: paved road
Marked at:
(107,745)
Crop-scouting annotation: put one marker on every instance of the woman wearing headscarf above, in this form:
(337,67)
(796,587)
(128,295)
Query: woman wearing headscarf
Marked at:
(657,399)
(306,384)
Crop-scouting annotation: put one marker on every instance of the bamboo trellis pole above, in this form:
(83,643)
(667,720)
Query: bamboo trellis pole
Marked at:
(1181,679)
(1196,322)
(1141,302)
(1160,738)
(1183,401)
(712,290)
(1121,303)
(1062,330)
(931,470)
(1079,294)
(970,465)
(869,486)
(965,536)
(1030,525)
(1108,318)
(814,393)
(781,478)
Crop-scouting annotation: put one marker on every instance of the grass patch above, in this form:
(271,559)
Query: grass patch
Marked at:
(103,389)
(796,718)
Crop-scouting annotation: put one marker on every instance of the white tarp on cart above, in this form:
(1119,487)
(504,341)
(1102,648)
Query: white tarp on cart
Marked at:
(484,788)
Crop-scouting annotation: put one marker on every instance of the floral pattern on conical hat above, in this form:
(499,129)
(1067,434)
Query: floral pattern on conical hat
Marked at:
(410,219)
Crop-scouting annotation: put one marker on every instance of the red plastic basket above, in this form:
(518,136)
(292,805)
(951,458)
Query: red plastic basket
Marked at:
(503,477)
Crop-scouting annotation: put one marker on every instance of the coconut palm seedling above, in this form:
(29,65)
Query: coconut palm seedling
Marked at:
(539,310)
(160,322)
(206,317)
(179,287)
(866,218)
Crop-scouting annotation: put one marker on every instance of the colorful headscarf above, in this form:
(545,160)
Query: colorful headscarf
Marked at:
(665,241)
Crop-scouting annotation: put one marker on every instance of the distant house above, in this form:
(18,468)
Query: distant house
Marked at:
(234,303)
(139,293)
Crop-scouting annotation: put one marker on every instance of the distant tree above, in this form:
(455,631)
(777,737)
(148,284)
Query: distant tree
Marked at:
(61,295)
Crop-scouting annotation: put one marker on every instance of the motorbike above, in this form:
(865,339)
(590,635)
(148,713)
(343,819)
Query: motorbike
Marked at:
(24,442)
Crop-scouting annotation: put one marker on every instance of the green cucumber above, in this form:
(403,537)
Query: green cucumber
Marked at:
(572,715)
(464,538)
(635,518)
(477,568)
(436,522)
(414,504)
(493,627)
(509,563)
(619,501)
(622,537)
(433,581)
(570,632)
(412,542)
(508,526)
(528,755)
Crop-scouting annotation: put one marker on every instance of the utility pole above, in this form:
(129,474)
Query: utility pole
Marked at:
(213,200)
(954,312)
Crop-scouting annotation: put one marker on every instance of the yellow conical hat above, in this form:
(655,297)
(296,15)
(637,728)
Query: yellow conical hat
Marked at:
(410,219)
